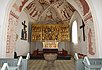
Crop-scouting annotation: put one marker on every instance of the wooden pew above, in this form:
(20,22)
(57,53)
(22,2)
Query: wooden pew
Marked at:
(5,66)
(87,63)
(18,66)
(20,63)
(78,59)
(28,56)
(92,63)
(14,64)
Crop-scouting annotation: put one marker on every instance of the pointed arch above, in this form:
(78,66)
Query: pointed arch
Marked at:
(26,4)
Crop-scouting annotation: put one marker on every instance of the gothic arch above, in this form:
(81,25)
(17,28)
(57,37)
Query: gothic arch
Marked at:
(15,10)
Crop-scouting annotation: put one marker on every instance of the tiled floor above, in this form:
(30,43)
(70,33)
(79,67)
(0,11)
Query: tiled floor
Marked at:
(58,65)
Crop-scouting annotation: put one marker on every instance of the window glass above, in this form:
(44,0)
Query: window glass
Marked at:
(74,33)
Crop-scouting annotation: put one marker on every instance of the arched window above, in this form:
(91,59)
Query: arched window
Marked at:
(74,33)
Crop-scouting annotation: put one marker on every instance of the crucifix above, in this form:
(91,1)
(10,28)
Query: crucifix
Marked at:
(82,26)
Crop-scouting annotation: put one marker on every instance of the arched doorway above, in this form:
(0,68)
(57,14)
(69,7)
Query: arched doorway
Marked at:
(13,13)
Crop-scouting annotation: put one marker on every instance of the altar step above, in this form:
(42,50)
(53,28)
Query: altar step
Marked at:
(38,57)
(68,57)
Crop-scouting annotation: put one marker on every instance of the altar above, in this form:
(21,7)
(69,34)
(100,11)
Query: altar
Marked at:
(49,38)
(50,47)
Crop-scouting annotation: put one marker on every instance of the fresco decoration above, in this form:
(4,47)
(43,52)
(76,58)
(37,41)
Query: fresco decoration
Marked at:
(12,23)
(79,4)
(34,9)
(13,14)
(90,35)
(85,10)
(49,2)
(11,34)
(59,4)
(90,44)
(30,5)
(22,4)
(16,7)
(85,6)
(66,12)
(50,16)
(56,9)
(50,10)
(88,16)
(88,20)
(15,11)
(44,3)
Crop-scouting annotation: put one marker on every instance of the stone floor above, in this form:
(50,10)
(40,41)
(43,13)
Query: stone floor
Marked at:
(58,65)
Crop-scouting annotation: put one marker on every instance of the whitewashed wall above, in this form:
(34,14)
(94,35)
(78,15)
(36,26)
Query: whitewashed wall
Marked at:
(4,4)
(64,45)
(81,46)
(2,13)
(97,14)
(22,46)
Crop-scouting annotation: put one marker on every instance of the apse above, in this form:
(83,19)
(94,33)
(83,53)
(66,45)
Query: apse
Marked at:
(49,24)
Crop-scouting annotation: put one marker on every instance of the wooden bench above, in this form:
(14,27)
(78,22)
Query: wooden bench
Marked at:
(78,59)
(85,63)
(5,67)
(92,63)
(15,64)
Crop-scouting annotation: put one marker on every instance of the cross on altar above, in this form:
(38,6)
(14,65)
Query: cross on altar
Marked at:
(82,26)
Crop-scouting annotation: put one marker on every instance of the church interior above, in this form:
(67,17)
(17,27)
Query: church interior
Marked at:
(49,35)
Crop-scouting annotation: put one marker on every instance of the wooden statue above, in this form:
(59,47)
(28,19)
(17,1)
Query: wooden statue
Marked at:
(24,32)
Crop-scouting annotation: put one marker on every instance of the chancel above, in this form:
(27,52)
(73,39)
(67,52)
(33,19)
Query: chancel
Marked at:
(45,28)
(50,36)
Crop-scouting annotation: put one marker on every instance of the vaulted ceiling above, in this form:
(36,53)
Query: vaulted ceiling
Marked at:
(50,10)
